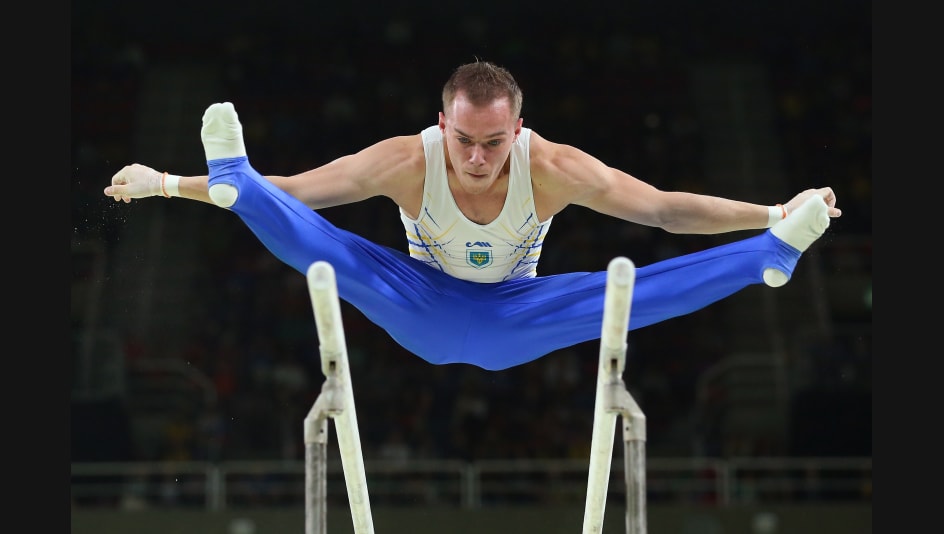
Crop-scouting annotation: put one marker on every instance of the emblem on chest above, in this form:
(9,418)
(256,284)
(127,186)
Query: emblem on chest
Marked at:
(478,254)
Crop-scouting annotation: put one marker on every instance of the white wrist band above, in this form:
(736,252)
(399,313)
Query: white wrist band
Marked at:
(172,185)
(775,214)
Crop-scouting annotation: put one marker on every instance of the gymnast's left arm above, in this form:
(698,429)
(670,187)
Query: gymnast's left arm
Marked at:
(565,175)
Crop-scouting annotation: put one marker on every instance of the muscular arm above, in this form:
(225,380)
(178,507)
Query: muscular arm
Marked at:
(565,175)
(394,168)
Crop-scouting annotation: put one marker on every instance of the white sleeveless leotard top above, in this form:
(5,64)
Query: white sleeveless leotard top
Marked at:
(443,238)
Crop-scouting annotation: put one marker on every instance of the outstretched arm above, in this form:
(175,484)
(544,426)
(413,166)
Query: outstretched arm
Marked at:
(566,175)
(393,168)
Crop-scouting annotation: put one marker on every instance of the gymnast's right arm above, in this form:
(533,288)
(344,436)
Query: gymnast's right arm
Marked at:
(393,168)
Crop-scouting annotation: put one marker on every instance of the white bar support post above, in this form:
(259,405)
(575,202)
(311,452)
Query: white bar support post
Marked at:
(336,401)
(613,400)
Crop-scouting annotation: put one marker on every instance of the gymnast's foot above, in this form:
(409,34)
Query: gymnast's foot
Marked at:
(804,226)
(222,136)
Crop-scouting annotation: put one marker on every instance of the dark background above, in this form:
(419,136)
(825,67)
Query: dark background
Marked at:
(312,83)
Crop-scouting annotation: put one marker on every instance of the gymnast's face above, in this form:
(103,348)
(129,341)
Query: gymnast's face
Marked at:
(478,141)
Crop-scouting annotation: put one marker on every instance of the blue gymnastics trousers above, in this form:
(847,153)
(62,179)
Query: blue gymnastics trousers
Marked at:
(494,326)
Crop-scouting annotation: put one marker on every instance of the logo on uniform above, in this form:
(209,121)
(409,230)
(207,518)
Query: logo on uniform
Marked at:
(477,257)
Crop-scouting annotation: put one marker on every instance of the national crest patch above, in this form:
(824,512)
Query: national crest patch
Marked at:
(478,258)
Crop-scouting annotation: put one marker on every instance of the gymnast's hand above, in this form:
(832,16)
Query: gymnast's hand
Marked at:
(828,196)
(135,181)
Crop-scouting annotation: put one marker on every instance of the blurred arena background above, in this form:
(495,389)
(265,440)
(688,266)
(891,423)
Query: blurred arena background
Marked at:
(195,354)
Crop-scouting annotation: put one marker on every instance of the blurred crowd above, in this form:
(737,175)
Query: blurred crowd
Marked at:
(623,96)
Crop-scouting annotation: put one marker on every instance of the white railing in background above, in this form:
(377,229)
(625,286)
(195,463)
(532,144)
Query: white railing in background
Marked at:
(237,485)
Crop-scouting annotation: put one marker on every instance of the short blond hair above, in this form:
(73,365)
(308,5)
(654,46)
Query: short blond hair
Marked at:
(483,82)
